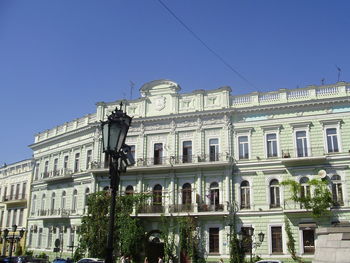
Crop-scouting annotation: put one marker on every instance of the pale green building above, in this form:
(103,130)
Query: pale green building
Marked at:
(202,154)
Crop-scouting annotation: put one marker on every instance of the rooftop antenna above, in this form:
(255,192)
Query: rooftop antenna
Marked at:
(339,71)
(322,81)
(132,85)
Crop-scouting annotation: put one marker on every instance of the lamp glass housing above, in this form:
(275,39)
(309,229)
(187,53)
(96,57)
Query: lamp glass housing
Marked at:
(14,228)
(6,232)
(261,237)
(250,231)
(114,131)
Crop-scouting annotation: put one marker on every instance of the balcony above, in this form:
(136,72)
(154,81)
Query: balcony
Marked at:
(210,208)
(57,175)
(54,213)
(151,209)
(303,156)
(174,161)
(14,199)
(181,208)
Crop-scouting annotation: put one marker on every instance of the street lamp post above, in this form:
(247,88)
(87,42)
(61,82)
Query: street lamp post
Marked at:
(250,234)
(114,132)
(13,238)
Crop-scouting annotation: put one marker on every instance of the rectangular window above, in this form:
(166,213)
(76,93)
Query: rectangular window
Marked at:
(187,152)
(14,217)
(12,191)
(88,158)
(332,140)
(214,150)
(46,169)
(17,191)
(24,190)
(49,238)
(40,236)
(133,151)
(214,240)
(301,143)
(5,194)
(158,153)
(37,167)
(76,162)
(271,144)
(2,218)
(20,219)
(243,147)
(55,166)
(65,162)
(8,218)
(276,239)
(309,241)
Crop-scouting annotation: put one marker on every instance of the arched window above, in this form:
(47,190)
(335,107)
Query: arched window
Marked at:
(63,200)
(129,190)
(87,192)
(186,194)
(157,195)
(43,198)
(245,195)
(274,194)
(74,200)
(337,190)
(214,194)
(53,197)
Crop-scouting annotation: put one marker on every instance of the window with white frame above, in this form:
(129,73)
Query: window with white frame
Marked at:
(186,194)
(271,145)
(53,198)
(337,190)
(187,151)
(55,166)
(88,158)
(214,240)
(158,153)
(133,151)
(243,147)
(274,194)
(65,162)
(276,240)
(75,201)
(43,199)
(332,140)
(245,195)
(33,204)
(63,200)
(213,149)
(87,193)
(76,162)
(301,141)
(304,189)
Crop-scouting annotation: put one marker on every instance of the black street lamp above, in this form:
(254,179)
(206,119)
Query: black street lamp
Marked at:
(114,132)
(13,238)
(250,233)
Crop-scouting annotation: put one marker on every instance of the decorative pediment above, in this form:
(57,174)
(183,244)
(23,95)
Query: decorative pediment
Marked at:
(159,87)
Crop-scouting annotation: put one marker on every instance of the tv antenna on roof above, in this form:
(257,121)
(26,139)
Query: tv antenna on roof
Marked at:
(339,71)
(322,81)
(132,85)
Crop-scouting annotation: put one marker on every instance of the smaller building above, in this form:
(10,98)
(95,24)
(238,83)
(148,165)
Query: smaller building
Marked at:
(14,195)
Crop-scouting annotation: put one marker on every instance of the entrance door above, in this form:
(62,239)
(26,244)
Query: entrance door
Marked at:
(154,250)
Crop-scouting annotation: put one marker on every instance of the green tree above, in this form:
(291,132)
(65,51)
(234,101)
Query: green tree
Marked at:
(168,235)
(94,228)
(318,202)
(291,242)
(19,250)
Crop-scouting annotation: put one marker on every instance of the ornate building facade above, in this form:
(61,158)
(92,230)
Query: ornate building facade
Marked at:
(14,203)
(205,154)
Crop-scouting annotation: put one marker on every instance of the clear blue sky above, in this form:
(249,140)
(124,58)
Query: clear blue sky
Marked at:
(58,58)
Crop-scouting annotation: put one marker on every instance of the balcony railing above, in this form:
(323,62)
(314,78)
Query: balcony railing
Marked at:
(210,208)
(151,209)
(15,197)
(56,173)
(55,212)
(181,208)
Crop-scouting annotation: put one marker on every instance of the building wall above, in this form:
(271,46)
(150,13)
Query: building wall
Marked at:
(14,201)
(164,116)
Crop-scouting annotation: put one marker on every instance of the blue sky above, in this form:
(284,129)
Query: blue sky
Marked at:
(58,58)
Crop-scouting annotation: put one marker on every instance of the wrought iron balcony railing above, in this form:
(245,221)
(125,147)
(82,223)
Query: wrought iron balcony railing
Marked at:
(15,197)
